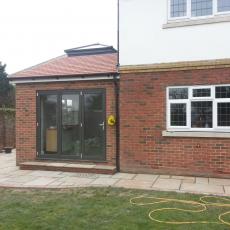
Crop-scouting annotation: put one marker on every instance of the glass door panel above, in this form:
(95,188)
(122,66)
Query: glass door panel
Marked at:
(71,125)
(94,126)
(48,124)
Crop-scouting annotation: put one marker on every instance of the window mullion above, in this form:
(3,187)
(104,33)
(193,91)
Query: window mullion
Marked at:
(189,104)
(215,7)
(189,114)
(215,114)
(168,115)
(169,9)
(189,8)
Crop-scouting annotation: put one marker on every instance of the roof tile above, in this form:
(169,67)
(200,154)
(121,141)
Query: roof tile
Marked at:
(72,65)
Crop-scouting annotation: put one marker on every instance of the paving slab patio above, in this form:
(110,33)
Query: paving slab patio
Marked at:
(40,182)
(104,181)
(123,176)
(146,177)
(167,184)
(134,184)
(40,173)
(216,181)
(11,176)
(227,190)
(202,180)
(202,188)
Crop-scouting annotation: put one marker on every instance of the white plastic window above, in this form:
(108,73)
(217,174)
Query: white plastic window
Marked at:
(192,9)
(198,108)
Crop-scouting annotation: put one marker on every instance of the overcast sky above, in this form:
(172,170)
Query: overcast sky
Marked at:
(33,31)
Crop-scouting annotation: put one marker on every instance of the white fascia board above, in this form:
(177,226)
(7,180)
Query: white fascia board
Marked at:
(64,79)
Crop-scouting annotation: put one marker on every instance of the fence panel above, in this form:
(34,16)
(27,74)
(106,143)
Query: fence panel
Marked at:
(7,128)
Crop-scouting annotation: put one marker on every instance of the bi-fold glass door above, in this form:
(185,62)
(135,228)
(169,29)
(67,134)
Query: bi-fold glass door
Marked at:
(71,124)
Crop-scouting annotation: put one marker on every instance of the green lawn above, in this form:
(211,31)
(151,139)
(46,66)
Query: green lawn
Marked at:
(101,208)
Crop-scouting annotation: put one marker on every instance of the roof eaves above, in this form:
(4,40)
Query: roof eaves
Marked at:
(65,76)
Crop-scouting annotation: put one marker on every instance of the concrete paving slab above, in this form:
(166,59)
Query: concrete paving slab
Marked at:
(202,188)
(167,184)
(201,180)
(81,175)
(40,182)
(69,174)
(217,181)
(186,179)
(124,176)
(104,175)
(104,181)
(227,190)
(164,176)
(55,184)
(21,179)
(19,172)
(7,171)
(83,182)
(77,181)
(39,173)
(191,181)
(11,184)
(146,177)
(183,177)
(4,179)
(134,184)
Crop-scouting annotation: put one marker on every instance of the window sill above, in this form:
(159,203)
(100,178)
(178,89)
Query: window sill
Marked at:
(194,22)
(195,134)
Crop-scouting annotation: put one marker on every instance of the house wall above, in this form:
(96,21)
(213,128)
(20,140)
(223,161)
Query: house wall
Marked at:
(143,118)
(144,41)
(26,116)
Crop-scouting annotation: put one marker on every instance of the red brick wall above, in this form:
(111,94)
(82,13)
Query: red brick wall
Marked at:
(26,116)
(143,118)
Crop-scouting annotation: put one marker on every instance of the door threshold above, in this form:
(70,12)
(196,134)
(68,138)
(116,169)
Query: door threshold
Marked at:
(68,160)
(69,167)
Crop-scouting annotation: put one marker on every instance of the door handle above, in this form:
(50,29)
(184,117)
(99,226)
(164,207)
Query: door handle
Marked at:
(102,125)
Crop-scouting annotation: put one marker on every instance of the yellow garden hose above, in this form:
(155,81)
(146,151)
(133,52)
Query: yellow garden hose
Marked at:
(201,205)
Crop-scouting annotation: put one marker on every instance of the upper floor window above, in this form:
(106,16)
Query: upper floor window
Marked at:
(197,8)
(178,8)
(201,8)
(223,5)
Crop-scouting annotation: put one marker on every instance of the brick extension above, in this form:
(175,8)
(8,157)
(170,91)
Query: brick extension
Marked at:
(26,116)
(143,118)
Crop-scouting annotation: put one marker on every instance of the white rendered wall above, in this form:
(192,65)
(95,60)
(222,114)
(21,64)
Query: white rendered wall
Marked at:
(144,41)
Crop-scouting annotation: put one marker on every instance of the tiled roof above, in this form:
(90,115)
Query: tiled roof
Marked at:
(72,65)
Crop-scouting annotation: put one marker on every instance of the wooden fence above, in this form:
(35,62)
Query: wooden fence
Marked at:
(7,127)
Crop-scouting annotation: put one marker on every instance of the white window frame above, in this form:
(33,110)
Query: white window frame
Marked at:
(215,106)
(189,12)
(212,89)
(176,101)
(215,101)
